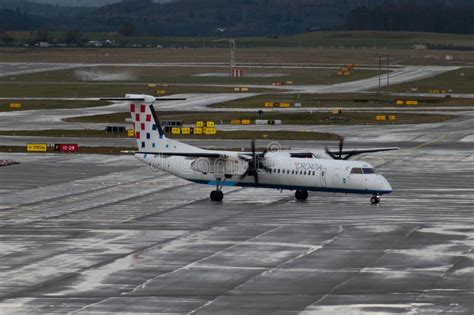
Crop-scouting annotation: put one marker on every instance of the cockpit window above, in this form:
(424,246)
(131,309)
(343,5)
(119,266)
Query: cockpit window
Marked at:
(357,170)
(369,171)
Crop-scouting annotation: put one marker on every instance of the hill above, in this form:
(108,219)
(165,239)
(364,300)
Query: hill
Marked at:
(237,18)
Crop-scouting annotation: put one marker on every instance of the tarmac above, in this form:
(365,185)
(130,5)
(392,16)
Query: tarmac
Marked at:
(82,234)
(104,234)
(11,69)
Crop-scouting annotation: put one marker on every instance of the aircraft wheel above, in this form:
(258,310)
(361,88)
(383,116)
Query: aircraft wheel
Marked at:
(375,200)
(301,195)
(217,195)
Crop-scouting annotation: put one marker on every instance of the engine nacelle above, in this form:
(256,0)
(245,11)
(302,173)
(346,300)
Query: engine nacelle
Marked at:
(219,166)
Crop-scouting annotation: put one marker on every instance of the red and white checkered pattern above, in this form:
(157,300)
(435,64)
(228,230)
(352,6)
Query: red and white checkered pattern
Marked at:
(147,135)
(146,132)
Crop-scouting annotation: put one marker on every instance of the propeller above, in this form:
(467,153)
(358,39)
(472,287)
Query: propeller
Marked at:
(253,165)
(347,154)
(337,155)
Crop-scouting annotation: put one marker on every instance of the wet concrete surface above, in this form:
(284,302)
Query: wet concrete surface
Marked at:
(12,69)
(100,234)
(54,118)
(84,234)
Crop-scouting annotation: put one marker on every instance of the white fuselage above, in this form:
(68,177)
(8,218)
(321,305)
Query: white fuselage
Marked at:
(278,172)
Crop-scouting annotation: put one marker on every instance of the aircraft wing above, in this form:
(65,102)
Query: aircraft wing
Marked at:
(188,154)
(245,156)
(374,150)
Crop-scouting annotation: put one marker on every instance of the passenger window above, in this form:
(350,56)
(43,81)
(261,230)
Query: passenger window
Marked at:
(369,171)
(356,170)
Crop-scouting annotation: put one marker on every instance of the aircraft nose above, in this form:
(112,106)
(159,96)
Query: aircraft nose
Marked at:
(384,185)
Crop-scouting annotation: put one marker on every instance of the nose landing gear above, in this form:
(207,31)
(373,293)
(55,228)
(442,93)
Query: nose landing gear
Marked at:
(375,200)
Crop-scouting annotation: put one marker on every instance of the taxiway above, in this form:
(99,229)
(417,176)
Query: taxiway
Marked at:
(104,234)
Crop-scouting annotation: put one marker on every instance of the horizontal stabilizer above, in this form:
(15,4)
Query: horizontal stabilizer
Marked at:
(141,99)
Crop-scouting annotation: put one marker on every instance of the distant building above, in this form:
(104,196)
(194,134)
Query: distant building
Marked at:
(95,43)
(98,43)
(420,46)
(43,44)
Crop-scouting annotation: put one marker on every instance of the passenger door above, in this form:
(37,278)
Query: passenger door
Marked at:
(324,177)
(337,178)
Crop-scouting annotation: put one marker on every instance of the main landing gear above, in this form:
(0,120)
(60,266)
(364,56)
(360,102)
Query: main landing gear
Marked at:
(217,195)
(301,195)
(375,200)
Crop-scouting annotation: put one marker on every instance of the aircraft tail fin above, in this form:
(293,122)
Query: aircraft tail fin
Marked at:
(149,134)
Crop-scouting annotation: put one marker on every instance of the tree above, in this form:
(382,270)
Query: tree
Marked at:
(74,37)
(42,35)
(127,29)
(7,39)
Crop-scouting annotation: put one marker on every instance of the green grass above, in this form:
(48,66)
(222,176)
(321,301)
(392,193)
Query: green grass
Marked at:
(70,90)
(458,81)
(272,135)
(188,75)
(38,89)
(336,101)
(86,133)
(404,40)
(324,55)
(21,90)
(315,39)
(52,104)
(319,118)
(82,150)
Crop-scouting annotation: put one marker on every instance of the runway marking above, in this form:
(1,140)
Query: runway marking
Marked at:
(443,276)
(212,267)
(362,269)
(190,265)
(278,266)
(413,149)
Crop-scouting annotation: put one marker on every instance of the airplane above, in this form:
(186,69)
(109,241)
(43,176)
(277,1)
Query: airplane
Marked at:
(285,170)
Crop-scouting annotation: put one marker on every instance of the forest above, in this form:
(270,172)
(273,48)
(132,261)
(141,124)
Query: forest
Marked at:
(242,17)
